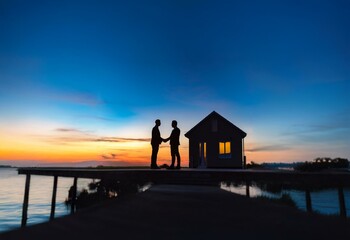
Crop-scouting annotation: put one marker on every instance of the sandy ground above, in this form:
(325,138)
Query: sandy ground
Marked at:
(187,212)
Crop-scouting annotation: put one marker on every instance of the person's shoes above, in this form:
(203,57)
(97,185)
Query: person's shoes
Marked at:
(178,167)
(155,167)
(171,167)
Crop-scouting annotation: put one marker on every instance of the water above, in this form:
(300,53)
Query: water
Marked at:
(12,191)
(40,194)
(324,201)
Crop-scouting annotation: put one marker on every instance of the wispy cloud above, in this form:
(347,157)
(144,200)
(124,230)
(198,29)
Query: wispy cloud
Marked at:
(109,156)
(24,88)
(68,130)
(98,118)
(329,124)
(135,154)
(336,131)
(268,148)
(66,135)
(301,129)
(118,139)
(76,98)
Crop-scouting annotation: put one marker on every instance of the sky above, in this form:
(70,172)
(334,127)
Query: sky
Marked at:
(85,80)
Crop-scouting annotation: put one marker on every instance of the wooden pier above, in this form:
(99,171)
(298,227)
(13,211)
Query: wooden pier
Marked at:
(307,181)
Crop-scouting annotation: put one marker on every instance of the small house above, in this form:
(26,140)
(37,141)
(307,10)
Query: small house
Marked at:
(216,143)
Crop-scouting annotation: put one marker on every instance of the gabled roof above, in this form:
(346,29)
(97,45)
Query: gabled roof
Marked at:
(214,114)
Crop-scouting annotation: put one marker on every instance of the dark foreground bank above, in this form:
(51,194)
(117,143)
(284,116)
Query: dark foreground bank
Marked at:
(187,212)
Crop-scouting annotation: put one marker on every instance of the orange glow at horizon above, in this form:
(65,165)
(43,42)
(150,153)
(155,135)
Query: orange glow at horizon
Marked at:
(48,145)
(133,152)
(21,148)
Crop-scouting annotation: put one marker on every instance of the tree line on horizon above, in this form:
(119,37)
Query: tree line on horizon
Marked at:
(318,164)
(323,163)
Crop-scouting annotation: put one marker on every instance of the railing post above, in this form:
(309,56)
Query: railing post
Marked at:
(247,191)
(308,200)
(74,195)
(53,200)
(25,201)
(342,207)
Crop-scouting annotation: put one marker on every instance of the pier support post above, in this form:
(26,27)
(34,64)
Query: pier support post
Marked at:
(342,207)
(308,200)
(53,200)
(247,191)
(25,201)
(74,195)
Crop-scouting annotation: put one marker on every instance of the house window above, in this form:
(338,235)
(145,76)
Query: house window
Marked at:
(224,149)
(200,150)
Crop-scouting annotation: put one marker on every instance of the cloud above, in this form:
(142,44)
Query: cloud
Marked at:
(314,129)
(117,139)
(109,156)
(69,139)
(268,148)
(24,88)
(67,130)
(98,118)
(337,131)
(338,122)
(74,135)
(74,97)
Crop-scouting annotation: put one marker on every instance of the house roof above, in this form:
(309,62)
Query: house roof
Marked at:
(214,114)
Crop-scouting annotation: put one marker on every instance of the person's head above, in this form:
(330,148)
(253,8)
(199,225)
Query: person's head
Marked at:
(174,123)
(157,122)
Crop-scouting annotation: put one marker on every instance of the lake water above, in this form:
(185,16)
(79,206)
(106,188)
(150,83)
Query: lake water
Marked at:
(40,194)
(324,201)
(12,191)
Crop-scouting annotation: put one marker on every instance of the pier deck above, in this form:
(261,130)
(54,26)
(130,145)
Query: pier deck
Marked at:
(188,175)
(187,212)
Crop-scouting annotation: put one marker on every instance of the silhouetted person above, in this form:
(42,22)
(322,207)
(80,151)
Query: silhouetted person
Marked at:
(174,145)
(155,142)
(70,194)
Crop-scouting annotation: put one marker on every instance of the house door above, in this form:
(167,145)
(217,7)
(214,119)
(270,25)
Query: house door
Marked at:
(202,155)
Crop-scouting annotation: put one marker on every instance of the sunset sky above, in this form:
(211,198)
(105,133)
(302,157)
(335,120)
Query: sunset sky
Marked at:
(85,80)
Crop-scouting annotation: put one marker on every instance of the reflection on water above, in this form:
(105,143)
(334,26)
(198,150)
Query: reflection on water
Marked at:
(145,187)
(323,201)
(40,194)
(12,192)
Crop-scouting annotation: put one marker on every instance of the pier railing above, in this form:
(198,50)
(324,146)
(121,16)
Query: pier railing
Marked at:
(305,181)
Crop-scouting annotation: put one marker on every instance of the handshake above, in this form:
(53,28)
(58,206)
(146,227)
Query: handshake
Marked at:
(165,139)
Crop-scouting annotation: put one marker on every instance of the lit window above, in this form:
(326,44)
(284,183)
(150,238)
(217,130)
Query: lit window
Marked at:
(224,149)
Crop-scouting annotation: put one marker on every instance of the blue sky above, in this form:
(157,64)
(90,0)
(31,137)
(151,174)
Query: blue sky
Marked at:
(280,70)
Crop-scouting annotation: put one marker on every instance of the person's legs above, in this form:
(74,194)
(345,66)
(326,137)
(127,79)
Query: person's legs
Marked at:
(178,157)
(172,152)
(155,149)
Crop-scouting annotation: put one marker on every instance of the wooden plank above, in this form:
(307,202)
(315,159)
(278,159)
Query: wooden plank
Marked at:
(25,201)
(308,200)
(342,207)
(53,200)
(247,190)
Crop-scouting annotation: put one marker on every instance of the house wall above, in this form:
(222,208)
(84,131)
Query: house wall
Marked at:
(193,154)
(213,157)
(224,132)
